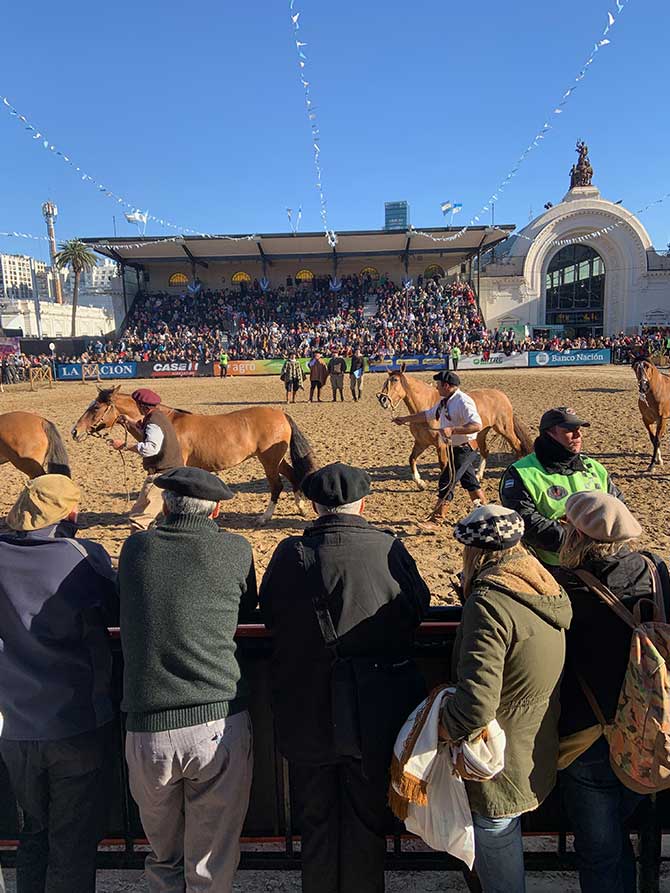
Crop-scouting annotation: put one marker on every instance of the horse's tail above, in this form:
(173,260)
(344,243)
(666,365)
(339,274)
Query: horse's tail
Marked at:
(523,434)
(302,455)
(56,460)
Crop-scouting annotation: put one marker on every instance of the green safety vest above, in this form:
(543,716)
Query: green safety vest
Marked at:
(223,359)
(455,352)
(550,492)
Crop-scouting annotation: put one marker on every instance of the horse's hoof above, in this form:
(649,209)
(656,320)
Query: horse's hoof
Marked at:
(421,485)
(260,521)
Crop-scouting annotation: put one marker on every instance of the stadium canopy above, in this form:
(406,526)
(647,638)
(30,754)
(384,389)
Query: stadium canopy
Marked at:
(462,244)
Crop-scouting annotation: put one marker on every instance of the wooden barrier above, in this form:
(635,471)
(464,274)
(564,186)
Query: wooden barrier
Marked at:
(40,375)
(90,372)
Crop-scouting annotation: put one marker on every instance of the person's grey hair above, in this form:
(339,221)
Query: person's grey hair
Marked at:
(349,508)
(176,504)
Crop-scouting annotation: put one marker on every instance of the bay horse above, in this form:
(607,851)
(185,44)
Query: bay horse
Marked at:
(494,407)
(654,404)
(32,444)
(218,442)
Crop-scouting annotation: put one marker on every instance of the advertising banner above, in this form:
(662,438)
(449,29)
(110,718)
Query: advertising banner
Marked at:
(556,358)
(495,361)
(175,369)
(68,371)
(412,364)
(271,367)
(72,371)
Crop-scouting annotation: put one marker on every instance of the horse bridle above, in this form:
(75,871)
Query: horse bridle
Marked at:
(386,397)
(99,426)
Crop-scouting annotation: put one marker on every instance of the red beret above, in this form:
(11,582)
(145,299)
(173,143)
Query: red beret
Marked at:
(146,396)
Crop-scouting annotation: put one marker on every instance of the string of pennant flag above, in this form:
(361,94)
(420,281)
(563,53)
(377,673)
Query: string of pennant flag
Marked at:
(312,119)
(558,109)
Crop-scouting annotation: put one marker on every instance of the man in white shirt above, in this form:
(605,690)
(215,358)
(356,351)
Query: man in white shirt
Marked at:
(457,419)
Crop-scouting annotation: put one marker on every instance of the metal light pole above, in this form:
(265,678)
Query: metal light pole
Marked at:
(50,212)
(36,298)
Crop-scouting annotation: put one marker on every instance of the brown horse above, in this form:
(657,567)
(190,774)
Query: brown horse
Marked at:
(32,444)
(219,442)
(654,404)
(494,407)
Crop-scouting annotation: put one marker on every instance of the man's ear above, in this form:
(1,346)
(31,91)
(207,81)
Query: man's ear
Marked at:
(74,514)
(362,508)
(217,511)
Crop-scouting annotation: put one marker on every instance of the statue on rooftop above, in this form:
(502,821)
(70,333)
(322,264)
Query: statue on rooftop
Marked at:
(581,173)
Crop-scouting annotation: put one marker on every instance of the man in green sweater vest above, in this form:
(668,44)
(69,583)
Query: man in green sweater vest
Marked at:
(183,587)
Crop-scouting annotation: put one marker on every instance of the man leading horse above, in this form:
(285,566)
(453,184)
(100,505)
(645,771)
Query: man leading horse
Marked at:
(457,419)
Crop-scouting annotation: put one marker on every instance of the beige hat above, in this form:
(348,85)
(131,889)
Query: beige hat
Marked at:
(601,517)
(45,500)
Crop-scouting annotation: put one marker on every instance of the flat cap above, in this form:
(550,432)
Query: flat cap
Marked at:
(194,482)
(490,527)
(602,517)
(447,377)
(336,484)
(44,501)
(563,417)
(146,396)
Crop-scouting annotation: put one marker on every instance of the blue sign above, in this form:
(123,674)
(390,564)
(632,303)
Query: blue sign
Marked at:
(68,372)
(412,364)
(556,358)
(118,370)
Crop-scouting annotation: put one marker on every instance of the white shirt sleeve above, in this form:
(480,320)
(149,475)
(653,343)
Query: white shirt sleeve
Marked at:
(469,408)
(152,443)
(432,412)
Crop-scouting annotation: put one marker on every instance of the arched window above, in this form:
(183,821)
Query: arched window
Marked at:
(178,280)
(575,291)
(304,276)
(372,272)
(240,277)
(434,270)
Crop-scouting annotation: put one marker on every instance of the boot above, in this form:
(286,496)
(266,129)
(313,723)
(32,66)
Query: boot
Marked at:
(435,521)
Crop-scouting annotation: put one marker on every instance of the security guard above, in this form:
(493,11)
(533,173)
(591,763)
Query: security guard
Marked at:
(538,486)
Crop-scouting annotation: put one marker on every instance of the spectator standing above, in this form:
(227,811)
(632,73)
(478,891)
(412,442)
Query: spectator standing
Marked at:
(538,486)
(455,357)
(318,375)
(160,451)
(189,739)
(291,375)
(356,370)
(337,366)
(223,364)
(598,532)
(508,659)
(57,595)
(343,601)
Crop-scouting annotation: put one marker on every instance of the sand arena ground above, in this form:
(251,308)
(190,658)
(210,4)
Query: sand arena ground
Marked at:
(361,434)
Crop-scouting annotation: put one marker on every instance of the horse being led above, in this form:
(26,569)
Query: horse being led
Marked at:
(654,404)
(494,408)
(32,444)
(219,442)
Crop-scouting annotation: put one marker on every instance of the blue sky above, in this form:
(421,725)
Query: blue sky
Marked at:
(196,112)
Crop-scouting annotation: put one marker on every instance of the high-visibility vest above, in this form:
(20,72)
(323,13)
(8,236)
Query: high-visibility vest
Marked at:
(550,492)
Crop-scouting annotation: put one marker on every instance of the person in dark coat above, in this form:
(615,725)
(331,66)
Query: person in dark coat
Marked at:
(318,374)
(356,370)
(599,529)
(370,599)
(337,366)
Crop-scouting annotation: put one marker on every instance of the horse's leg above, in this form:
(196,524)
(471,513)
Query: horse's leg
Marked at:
(652,437)
(271,460)
(656,458)
(289,474)
(417,450)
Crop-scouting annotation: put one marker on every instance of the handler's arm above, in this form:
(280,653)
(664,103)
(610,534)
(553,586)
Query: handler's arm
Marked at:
(540,532)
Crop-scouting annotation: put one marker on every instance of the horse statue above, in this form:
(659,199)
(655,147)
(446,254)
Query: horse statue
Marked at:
(493,406)
(219,442)
(32,444)
(653,401)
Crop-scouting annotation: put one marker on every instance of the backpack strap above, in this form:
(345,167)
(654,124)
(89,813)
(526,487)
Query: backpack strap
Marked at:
(660,612)
(607,596)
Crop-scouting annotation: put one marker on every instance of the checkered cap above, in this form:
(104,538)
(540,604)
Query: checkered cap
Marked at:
(490,527)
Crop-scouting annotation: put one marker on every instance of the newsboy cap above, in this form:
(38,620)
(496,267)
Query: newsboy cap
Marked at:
(490,527)
(146,396)
(447,377)
(602,517)
(336,484)
(194,482)
(563,417)
(44,501)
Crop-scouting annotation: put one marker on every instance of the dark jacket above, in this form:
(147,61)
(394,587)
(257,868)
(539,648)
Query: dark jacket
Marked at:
(336,366)
(183,586)
(598,642)
(509,655)
(170,455)
(376,598)
(57,596)
(541,532)
(356,363)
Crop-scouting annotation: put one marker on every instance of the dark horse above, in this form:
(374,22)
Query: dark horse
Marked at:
(218,442)
(32,444)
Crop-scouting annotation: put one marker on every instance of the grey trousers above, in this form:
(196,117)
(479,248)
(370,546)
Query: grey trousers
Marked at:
(192,789)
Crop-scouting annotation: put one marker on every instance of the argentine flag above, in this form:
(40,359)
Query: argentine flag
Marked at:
(457,208)
(445,207)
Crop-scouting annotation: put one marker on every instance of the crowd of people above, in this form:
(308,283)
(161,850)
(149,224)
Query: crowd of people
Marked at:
(551,585)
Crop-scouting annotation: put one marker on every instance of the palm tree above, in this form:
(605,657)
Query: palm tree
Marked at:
(75,255)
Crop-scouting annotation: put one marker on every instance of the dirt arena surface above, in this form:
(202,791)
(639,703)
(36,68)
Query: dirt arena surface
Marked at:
(361,434)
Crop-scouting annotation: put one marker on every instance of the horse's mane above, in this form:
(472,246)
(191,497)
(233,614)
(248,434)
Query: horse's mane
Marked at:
(105,396)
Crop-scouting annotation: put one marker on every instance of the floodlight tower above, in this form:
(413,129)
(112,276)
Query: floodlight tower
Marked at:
(50,212)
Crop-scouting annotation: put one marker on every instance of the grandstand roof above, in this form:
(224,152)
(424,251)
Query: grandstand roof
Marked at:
(286,246)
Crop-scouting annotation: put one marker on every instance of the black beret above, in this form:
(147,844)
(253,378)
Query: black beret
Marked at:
(336,484)
(194,482)
(447,377)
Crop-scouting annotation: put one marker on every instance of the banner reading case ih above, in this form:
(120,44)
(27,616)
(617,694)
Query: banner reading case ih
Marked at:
(174,369)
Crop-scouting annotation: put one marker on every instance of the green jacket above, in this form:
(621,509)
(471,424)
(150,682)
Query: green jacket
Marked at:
(509,656)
